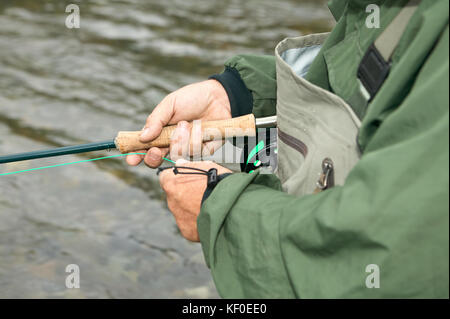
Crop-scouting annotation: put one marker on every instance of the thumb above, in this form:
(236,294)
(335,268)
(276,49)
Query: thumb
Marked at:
(159,118)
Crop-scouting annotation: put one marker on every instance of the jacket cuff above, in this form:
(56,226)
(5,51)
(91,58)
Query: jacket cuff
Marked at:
(209,190)
(215,209)
(241,99)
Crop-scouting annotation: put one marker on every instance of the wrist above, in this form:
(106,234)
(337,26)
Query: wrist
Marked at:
(218,95)
(239,96)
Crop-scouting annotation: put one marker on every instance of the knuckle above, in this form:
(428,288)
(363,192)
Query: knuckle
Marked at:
(171,206)
(163,179)
(184,232)
(167,183)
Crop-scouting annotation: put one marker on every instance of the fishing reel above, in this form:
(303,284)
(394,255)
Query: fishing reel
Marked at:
(260,152)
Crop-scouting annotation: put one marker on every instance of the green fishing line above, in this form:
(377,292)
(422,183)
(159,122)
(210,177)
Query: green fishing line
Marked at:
(168,160)
(77,162)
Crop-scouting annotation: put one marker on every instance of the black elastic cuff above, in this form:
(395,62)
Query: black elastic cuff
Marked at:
(209,190)
(241,99)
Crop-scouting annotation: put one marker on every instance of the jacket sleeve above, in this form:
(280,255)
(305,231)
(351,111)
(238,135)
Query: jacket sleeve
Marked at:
(250,82)
(392,212)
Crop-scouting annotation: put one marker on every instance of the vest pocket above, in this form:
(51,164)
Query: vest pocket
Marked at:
(316,129)
(293,142)
(292,154)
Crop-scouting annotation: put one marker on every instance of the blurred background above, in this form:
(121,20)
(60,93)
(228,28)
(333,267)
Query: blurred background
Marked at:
(62,86)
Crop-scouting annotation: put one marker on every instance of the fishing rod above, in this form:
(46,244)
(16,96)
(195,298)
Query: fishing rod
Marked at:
(128,141)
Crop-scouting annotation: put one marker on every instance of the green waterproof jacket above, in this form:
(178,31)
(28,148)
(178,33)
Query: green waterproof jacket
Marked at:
(392,211)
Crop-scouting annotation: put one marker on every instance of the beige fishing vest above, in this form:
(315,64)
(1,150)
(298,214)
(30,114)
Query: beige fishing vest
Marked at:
(317,130)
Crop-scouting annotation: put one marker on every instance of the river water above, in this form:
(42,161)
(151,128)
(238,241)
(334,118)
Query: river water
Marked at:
(61,86)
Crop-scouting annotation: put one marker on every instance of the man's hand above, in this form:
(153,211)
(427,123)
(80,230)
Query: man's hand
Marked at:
(205,100)
(184,195)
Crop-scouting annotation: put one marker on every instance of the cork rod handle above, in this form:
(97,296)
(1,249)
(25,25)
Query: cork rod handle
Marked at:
(241,126)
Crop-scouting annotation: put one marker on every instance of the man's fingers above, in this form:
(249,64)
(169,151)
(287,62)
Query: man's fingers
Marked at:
(159,118)
(167,175)
(134,160)
(179,145)
(196,139)
(209,148)
(154,156)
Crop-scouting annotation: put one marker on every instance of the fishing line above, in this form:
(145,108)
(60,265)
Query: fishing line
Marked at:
(77,162)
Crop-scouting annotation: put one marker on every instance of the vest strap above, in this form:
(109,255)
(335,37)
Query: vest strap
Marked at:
(376,63)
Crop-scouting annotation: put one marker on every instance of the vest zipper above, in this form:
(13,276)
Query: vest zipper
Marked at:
(293,142)
(326,179)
